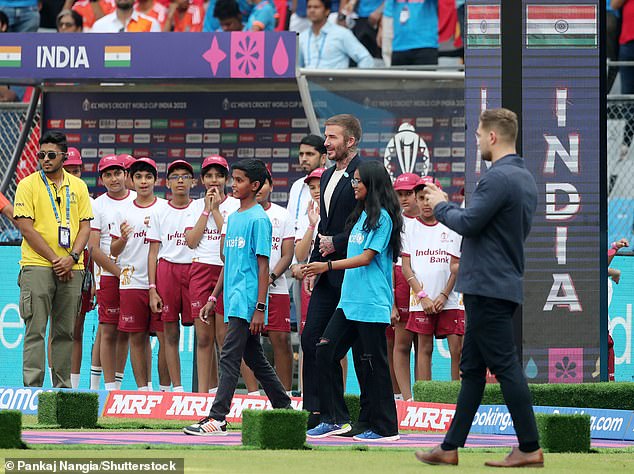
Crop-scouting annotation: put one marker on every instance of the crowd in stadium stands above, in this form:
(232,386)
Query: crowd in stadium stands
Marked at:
(333,33)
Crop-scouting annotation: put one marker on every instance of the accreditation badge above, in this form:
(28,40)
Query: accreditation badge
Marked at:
(63,236)
(404,16)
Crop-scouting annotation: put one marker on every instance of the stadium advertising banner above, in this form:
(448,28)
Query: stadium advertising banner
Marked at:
(238,55)
(561,144)
(183,125)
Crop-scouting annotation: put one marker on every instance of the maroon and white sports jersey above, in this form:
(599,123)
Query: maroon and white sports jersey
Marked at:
(133,259)
(430,248)
(104,208)
(283,229)
(208,250)
(170,232)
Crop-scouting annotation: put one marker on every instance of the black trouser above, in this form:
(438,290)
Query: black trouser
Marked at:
(323,303)
(489,342)
(338,338)
(241,344)
(366,34)
(415,57)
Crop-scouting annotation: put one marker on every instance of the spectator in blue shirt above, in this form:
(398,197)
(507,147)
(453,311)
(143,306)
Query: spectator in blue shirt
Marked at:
(23,15)
(415,32)
(263,17)
(211,23)
(228,15)
(329,46)
(300,22)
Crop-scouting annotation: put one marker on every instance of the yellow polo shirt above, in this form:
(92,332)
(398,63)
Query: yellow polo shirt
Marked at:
(32,200)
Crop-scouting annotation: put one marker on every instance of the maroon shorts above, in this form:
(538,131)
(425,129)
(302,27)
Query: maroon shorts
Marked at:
(202,281)
(401,294)
(441,325)
(279,313)
(172,283)
(108,299)
(135,311)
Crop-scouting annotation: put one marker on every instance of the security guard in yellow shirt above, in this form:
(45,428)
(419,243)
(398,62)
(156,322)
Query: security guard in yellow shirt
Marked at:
(53,213)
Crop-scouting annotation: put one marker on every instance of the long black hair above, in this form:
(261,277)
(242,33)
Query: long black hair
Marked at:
(380,195)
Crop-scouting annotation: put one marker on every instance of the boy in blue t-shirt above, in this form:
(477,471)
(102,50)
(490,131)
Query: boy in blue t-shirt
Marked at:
(246,244)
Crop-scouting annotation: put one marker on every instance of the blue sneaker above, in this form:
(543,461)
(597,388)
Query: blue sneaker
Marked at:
(328,429)
(372,436)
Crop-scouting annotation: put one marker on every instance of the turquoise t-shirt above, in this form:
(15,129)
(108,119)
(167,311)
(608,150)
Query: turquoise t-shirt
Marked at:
(248,235)
(366,293)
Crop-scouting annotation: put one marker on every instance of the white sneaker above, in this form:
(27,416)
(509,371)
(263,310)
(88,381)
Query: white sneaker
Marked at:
(207,427)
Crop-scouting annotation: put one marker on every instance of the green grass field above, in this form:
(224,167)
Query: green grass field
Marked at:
(331,461)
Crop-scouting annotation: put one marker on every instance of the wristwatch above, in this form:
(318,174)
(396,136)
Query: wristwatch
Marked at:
(259,306)
(75,256)
(273,276)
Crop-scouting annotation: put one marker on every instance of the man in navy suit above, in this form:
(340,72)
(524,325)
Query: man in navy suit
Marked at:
(343,133)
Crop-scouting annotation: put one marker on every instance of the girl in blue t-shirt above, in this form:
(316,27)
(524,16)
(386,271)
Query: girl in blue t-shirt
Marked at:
(364,309)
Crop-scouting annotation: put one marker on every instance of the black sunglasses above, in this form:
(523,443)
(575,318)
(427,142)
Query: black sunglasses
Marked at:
(50,154)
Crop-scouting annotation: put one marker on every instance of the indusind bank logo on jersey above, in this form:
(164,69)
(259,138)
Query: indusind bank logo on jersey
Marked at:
(236,242)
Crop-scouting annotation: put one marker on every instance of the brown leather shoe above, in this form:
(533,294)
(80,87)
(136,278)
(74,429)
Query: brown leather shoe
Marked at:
(438,457)
(517,458)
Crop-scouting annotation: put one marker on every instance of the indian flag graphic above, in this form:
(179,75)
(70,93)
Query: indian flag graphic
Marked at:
(483,26)
(10,56)
(561,26)
(117,56)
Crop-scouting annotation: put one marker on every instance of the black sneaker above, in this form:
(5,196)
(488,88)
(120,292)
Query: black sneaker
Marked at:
(357,428)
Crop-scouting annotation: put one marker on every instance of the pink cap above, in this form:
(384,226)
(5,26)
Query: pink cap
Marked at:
(109,161)
(406,182)
(126,159)
(149,161)
(428,180)
(179,163)
(315,174)
(74,157)
(215,160)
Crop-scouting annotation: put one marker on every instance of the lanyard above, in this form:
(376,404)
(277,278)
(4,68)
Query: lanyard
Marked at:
(299,203)
(321,48)
(50,195)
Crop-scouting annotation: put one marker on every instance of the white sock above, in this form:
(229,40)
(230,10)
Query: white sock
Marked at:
(74,380)
(118,377)
(257,392)
(164,388)
(289,393)
(213,390)
(117,385)
(409,400)
(178,388)
(149,387)
(95,377)
(143,389)
(398,396)
(110,386)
